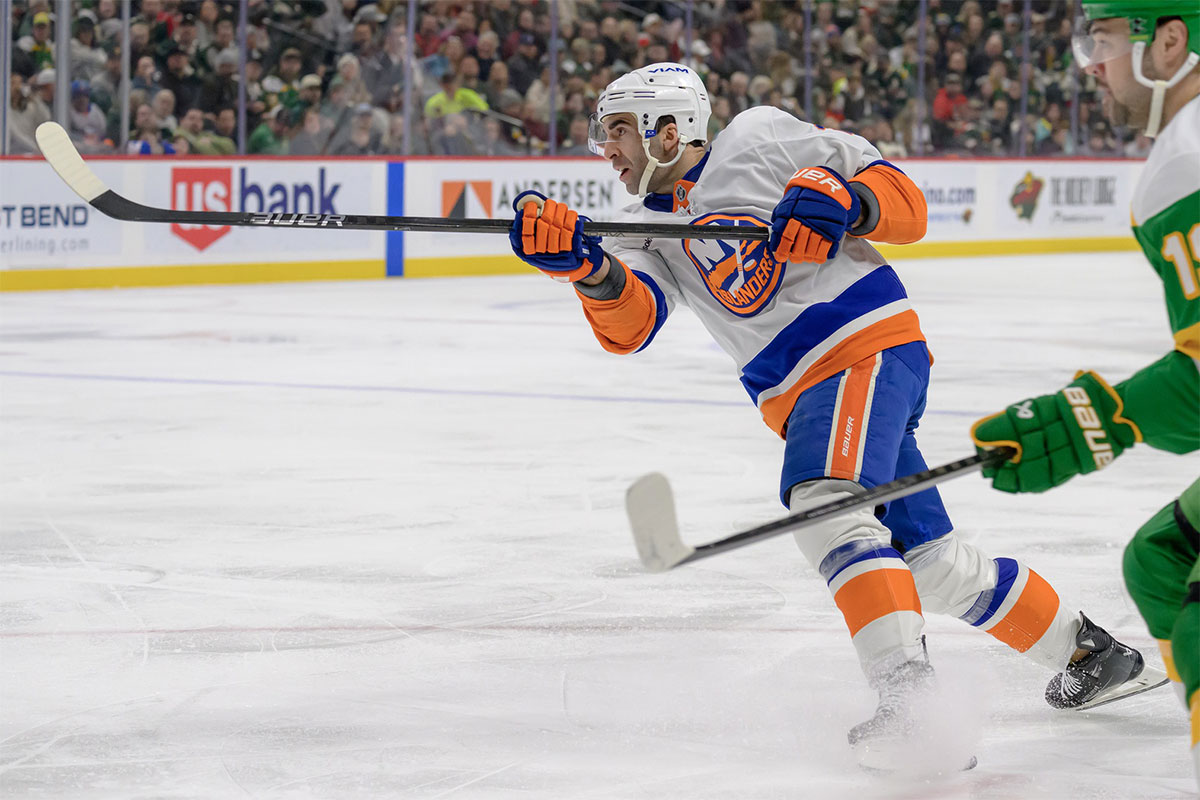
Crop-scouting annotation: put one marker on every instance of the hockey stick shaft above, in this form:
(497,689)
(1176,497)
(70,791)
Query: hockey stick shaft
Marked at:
(661,549)
(56,146)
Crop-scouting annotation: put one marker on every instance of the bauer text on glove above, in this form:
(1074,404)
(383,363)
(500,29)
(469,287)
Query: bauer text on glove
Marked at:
(809,222)
(1073,432)
(549,235)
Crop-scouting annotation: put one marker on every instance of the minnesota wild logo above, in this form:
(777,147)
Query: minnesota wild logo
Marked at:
(1025,196)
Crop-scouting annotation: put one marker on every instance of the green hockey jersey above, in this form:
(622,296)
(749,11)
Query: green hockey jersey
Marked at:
(1164,398)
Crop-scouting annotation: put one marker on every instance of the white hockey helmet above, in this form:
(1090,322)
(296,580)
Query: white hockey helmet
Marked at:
(650,93)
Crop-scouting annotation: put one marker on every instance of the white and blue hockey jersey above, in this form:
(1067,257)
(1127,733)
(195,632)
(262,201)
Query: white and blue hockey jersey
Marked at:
(787,326)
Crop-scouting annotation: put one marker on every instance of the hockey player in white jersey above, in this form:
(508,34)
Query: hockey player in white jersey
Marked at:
(826,345)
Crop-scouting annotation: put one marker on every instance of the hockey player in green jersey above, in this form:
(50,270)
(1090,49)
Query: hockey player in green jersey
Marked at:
(1144,54)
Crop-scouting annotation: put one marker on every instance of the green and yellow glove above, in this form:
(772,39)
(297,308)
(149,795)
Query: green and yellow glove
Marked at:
(1057,436)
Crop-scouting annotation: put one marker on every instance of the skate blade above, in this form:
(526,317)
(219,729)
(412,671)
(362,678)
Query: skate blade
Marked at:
(1150,678)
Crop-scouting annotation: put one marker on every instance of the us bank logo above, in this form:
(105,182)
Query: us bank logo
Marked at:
(741,275)
(214,189)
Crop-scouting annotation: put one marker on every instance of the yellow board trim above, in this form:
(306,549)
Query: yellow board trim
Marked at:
(121,277)
(459,266)
(453,266)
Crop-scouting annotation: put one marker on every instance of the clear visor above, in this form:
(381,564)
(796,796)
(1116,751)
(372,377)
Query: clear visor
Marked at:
(1095,46)
(597,135)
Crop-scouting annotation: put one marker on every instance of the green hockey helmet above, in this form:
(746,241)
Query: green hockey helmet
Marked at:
(1143,17)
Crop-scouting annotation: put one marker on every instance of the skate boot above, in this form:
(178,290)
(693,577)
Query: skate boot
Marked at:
(893,739)
(1108,672)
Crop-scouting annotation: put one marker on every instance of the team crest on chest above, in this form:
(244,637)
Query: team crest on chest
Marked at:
(742,276)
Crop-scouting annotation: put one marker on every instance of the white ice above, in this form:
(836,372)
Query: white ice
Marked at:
(367,540)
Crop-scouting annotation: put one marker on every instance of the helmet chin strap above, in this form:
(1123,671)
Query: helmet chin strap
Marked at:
(652,164)
(1159,86)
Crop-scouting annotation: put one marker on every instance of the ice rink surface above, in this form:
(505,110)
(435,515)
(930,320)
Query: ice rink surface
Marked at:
(367,540)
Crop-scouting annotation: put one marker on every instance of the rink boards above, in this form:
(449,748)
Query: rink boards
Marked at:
(50,239)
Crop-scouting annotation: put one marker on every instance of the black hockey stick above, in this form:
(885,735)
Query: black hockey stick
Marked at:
(61,153)
(651,510)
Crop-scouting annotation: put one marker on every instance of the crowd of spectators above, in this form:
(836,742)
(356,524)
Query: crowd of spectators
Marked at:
(331,77)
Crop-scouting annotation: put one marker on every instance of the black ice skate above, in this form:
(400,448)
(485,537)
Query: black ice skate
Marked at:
(891,740)
(1110,671)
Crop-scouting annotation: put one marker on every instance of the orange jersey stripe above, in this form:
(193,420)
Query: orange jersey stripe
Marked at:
(903,214)
(621,325)
(867,597)
(850,420)
(891,332)
(1028,620)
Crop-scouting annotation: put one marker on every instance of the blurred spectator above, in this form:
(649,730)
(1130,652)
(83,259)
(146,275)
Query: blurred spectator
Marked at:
(43,86)
(350,73)
(270,137)
(386,69)
(220,44)
(313,135)
(949,111)
(284,83)
(86,124)
(25,112)
(179,77)
(39,42)
(146,137)
(362,138)
(106,84)
(220,87)
(87,59)
(200,141)
(450,136)
(146,75)
(523,67)
(225,123)
(487,51)
(163,104)
(497,83)
(576,143)
(453,99)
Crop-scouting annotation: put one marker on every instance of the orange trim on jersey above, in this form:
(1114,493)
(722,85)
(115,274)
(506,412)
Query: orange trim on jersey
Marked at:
(850,423)
(1030,618)
(621,325)
(894,331)
(875,594)
(903,214)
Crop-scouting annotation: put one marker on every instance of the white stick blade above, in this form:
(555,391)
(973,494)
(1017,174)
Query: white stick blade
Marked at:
(651,510)
(61,153)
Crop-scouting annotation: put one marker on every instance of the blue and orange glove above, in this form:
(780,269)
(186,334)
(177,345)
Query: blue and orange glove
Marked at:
(549,236)
(809,222)
(1058,436)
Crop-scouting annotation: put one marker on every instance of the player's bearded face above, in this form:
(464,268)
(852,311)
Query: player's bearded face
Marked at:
(1125,101)
(623,149)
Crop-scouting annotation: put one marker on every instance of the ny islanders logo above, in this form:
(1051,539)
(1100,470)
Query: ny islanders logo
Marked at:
(742,275)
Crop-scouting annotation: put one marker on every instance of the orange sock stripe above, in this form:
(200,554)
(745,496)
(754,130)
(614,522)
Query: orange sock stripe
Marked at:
(867,597)
(1029,618)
